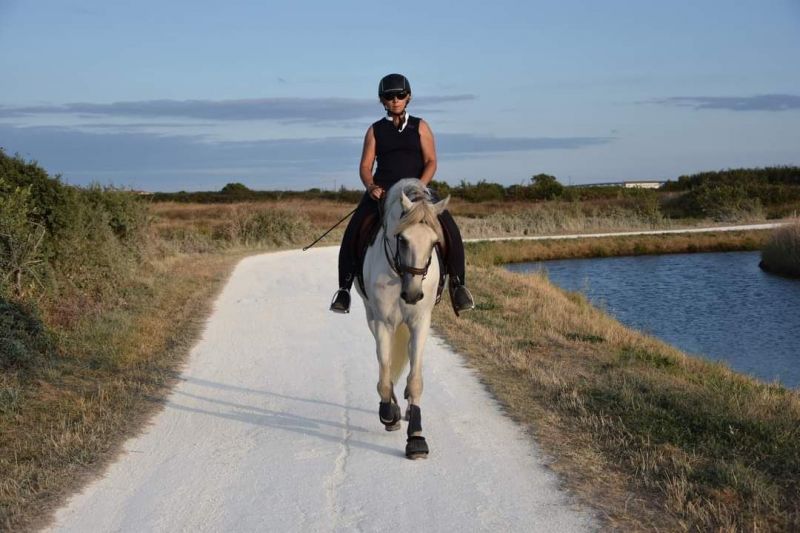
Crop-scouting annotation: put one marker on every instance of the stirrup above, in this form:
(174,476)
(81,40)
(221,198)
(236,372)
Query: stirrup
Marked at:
(461,298)
(341,301)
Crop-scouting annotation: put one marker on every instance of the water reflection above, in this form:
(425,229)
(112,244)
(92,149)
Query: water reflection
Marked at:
(719,305)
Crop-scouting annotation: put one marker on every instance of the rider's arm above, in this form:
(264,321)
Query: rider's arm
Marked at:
(428,152)
(367,162)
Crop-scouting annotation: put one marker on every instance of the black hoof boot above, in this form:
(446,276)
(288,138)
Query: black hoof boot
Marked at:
(341,301)
(460,297)
(417,448)
(389,413)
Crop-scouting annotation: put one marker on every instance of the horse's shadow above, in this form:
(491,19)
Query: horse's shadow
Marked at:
(282,420)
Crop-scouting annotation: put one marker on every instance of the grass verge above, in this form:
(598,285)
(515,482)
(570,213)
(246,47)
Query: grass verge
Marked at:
(63,420)
(503,252)
(651,437)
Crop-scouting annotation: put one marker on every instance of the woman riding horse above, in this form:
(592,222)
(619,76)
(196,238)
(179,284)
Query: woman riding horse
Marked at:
(403,147)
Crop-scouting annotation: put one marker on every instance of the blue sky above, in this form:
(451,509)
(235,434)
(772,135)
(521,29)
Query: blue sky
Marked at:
(277,95)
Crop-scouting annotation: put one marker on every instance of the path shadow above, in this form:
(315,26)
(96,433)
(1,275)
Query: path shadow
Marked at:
(260,411)
(292,423)
(225,386)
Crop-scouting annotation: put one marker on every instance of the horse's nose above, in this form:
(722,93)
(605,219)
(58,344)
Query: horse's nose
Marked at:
(409,300)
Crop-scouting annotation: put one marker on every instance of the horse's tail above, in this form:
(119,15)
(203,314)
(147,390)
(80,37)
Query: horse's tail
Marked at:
(399,351)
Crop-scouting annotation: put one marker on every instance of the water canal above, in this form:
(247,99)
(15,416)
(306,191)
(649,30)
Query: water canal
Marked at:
(717,305)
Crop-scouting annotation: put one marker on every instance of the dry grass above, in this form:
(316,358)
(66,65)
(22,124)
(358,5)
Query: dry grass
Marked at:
(69,417)
(503,252)
(209,228)
(168,217)
(651,437)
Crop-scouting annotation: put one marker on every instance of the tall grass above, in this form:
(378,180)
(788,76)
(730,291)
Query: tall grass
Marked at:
(555,218)
(781,254)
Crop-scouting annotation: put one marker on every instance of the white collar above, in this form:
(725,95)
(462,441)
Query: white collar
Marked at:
(405,120)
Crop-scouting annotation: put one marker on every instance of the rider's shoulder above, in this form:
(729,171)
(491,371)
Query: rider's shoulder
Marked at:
(423,127)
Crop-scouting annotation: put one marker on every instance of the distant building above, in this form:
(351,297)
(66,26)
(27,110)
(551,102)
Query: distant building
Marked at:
(647,184)
(642,184)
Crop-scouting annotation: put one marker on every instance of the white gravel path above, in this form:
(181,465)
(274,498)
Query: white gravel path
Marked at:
(274,427)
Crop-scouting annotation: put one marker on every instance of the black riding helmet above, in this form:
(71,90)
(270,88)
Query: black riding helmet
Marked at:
(393,83)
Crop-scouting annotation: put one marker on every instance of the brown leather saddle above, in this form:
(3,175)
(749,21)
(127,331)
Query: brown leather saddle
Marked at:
(366,236)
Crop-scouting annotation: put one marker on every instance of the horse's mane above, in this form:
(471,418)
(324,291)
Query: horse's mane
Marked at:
(422,211)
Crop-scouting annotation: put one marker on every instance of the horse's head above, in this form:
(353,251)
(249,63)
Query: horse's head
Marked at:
(417,231)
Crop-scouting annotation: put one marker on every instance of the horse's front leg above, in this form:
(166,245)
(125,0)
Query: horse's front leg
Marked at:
(416,447)
(389,411)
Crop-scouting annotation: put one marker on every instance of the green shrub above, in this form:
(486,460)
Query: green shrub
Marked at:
(20,241)
(482,191)
(56,238)
(23,338)
(723,202)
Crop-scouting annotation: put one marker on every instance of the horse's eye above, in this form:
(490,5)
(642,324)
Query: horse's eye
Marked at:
(401,239)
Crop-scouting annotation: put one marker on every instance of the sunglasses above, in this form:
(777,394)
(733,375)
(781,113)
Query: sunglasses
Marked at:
(391,96)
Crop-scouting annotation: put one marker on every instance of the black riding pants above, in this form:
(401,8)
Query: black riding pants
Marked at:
(348,255)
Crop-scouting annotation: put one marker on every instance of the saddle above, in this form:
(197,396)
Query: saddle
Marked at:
(366,236)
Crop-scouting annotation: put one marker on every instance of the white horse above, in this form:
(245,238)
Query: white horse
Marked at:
(401,276)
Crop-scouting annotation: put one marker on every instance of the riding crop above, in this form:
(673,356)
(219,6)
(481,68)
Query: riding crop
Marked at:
(330,230)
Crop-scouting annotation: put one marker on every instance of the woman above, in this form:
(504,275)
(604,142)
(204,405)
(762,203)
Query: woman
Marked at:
(403,147)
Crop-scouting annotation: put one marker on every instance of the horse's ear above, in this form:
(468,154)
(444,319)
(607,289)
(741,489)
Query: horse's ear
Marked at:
(441,205)
(407,203)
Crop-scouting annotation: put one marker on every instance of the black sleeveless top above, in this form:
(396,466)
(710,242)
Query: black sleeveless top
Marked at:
(399,153)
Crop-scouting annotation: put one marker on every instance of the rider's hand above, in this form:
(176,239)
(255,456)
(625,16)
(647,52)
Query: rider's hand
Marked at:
(376,192)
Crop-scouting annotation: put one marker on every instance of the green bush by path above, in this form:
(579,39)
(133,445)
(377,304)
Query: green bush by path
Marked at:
(57,239)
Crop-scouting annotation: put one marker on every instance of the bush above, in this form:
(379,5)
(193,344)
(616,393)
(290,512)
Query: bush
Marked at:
(482,191)
(781,255)
(23,338)
(235,189)
(54,237)
(725,203)
(545,187)
(20,241)
(441,188)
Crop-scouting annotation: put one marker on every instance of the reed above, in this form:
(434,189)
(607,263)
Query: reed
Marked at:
(781,254)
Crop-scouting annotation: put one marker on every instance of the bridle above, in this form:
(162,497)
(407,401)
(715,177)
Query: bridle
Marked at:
(396,263)
(394,260)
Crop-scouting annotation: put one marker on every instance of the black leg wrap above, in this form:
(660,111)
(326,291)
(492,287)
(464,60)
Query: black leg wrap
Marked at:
(417,448)
(414,420)
(389,413)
